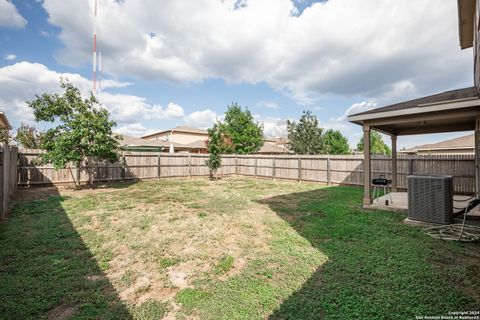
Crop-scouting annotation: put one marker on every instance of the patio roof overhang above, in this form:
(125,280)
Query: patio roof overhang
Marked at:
(466,20)
(449,116)
(457,110)
(446,112)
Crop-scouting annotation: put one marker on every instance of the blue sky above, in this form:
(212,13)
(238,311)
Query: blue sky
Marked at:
(182,62)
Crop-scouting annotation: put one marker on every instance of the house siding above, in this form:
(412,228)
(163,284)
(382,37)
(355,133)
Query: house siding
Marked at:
(476,46)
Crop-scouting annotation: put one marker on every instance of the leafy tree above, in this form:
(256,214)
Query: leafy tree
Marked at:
(28,137)
(244,135)
(83,128)
(377,145)
(334,142)
(214,148)
(305,137)
(5,135)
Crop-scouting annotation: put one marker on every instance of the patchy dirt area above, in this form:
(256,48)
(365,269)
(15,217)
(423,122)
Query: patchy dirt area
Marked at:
(156,240)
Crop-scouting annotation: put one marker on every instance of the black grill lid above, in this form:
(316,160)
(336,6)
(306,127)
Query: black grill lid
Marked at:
(381,181)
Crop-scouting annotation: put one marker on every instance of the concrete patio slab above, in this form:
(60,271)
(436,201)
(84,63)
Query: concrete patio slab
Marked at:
(398,201)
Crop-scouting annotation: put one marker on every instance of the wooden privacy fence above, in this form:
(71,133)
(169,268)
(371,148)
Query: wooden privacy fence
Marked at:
(8,176)
(318,168)
(132,166)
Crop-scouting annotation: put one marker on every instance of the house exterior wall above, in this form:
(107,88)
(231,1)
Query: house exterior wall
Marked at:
(476,46)
(185,138)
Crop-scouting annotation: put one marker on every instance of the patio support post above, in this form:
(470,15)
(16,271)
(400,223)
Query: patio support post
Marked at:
(394,163)
(367,197)
(477,154)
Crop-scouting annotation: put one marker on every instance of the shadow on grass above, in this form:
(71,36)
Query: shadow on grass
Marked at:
(46,270)
(378,268)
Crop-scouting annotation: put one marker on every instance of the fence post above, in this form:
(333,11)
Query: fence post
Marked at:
(236,164)
(90,170)
(29,173)
(410,166)
(97,171)
(159,172)
(78,173)
(273,168)
(189,166)
(299,168)
(124,171)
(329,173)
(2,183)
(255,166)
(14,171)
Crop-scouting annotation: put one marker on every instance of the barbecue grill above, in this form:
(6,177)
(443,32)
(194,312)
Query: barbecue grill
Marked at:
(382,183)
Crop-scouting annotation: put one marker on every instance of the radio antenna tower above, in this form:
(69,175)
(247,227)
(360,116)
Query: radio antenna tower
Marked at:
(99,71)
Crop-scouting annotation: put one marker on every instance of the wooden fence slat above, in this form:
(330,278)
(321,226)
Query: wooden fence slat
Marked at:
(8,176)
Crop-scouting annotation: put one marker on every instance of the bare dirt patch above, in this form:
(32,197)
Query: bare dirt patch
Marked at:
(62,311)
(29,194)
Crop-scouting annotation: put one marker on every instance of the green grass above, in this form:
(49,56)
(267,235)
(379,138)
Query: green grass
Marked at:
(224,265)
(235,248)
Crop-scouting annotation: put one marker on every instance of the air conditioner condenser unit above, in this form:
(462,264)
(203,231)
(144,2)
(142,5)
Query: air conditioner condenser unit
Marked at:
(430,198)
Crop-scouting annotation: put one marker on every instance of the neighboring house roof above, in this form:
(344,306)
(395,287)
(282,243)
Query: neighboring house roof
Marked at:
(4,121)
(464,142)
(129,141)
(198,144)
(138,142)
(183,129)
(466,18)
(281,141)
(458,95)
(272,148)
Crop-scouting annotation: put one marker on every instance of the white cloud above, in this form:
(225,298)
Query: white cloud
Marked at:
(133,129)
(359,107)
(130,108)
(9,16)
(273,127)
(10,57)
(268,104)
(348,129)
(46,34)
(201,119)
(17,85)
(335,124)
(369,56)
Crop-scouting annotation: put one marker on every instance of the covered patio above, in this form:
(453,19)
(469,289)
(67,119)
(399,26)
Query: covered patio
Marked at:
(451,111)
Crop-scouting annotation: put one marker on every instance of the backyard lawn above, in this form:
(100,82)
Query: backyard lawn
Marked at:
(237,248)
